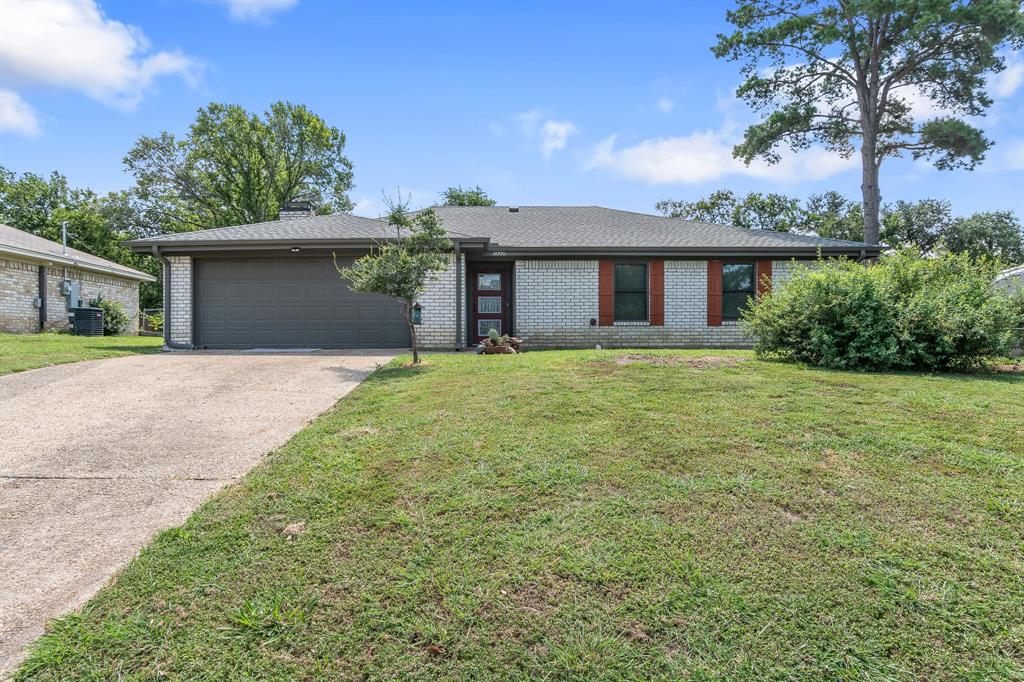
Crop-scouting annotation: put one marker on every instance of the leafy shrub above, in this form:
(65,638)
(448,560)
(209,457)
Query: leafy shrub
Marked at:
(1018,307)
(115,319)
(904,312)
(155,322)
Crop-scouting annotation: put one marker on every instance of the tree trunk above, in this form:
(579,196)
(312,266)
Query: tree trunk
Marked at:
(415,350)
(870,191)
(407,310)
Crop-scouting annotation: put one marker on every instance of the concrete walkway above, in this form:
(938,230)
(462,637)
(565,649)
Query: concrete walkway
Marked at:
(96,457)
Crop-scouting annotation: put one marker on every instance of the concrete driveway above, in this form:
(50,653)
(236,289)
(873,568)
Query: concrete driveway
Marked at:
(96,457)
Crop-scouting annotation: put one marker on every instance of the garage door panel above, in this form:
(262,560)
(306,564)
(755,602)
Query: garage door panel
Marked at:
(290,303)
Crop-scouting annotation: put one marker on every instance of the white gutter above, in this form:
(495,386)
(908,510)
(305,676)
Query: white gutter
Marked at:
(49,258)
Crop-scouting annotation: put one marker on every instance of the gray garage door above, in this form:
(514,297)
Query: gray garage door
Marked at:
(297,302)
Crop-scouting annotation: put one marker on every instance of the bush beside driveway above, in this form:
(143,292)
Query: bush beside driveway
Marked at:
(585,515)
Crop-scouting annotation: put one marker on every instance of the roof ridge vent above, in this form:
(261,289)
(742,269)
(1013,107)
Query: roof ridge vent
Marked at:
(513,209)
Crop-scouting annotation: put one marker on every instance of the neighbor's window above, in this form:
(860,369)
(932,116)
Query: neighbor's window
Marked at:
(738,283)
(630,292)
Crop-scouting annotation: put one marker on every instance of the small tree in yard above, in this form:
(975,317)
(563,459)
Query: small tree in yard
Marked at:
(414,247)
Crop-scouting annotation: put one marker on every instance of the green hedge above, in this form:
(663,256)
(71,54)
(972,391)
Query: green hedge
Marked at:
(903,312)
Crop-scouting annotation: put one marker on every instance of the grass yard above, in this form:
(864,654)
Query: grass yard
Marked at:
(19,352)
(574,515)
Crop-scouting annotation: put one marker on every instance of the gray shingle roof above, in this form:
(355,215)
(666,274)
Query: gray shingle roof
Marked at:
(597,227)
(529,228)
(339,226)
(17,242)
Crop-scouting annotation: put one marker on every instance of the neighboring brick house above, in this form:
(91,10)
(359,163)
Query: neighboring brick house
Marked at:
(32,270)
(556,276)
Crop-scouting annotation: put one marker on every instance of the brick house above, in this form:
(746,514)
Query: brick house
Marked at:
(556,276)
(40,280)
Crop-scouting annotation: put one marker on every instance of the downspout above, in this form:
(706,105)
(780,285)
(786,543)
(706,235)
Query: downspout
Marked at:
(167,303)
(42,298)
(459,303)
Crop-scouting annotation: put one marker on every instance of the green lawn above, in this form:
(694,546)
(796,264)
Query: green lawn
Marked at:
(565,516)
(19,352)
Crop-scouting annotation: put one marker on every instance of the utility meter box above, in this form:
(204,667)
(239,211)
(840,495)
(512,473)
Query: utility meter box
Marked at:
(73,291)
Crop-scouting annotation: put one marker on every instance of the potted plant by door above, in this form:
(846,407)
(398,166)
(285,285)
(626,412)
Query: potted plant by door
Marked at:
(499,344)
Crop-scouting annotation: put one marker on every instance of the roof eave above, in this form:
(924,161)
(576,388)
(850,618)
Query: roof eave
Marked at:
(51,259)
(702,251)
(185,246)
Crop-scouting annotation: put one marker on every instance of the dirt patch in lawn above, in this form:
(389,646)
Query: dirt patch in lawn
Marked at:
(1017,368)
(703,362)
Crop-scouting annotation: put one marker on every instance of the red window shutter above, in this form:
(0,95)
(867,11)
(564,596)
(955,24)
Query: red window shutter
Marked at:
(714,293)
(764,277)
(656,292)
(606,293)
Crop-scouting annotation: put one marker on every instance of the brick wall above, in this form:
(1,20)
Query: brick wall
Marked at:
(19,286)
(179,319)
(553,304)
(555,301)
(93,285)
(438,301)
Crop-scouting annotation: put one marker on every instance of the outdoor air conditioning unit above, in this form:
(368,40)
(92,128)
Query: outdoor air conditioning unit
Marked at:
(87,321)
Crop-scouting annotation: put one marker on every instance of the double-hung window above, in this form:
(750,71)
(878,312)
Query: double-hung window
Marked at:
(630,292)
(738,287)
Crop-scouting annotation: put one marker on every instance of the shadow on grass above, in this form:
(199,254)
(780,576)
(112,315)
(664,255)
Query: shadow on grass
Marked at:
(125,349)
(399,371)
(980,374)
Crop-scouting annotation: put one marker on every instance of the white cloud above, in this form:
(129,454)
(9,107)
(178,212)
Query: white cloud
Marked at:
(257,11)
(666,105)
(71,44)
(1007,82)
(368,207)
(529,122)
(553,135)
(17,115)
(706,156)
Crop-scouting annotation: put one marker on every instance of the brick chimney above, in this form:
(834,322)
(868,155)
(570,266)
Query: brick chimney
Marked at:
(296,209)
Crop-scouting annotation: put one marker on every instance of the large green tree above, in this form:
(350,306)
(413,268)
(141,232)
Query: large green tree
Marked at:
(927,224)
(921,223)
(832,215)
(997,234)
(755,210)
(96,224)
(846,73)
(471,196)
(235,167)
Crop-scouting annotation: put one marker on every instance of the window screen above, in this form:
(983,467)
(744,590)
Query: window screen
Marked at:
(738,283)
(630,292)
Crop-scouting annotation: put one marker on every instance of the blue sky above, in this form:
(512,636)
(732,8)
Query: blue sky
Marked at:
(616,104)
